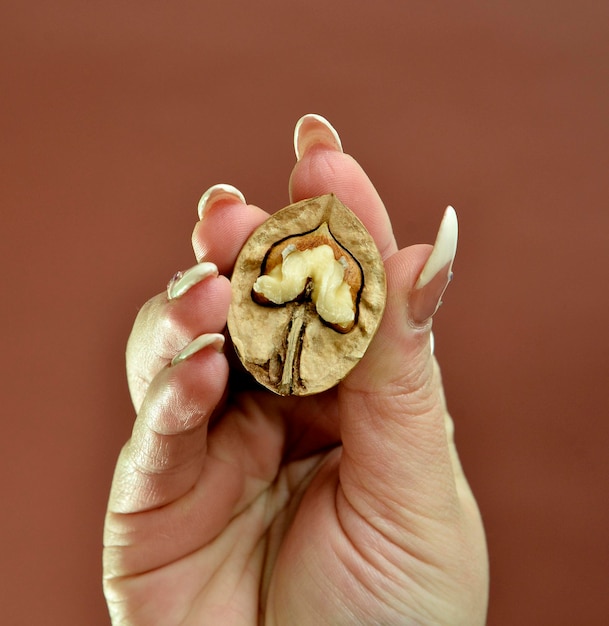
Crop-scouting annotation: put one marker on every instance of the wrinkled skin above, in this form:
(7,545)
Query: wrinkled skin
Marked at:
(231,505)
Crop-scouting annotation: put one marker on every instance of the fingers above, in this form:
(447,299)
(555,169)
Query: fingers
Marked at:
(163,459)
(323,168)
(196,303)
(197,300)
(225,222)
(171,493)
(392,412)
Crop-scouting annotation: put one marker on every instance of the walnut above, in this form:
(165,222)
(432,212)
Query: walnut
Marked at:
(308,294)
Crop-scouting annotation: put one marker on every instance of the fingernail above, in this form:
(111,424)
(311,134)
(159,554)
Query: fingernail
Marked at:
(436,274)
(218,192)
(312,130)
(196,345)
(181,282)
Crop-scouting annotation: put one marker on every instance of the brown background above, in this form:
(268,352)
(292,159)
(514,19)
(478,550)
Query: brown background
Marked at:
(116,116)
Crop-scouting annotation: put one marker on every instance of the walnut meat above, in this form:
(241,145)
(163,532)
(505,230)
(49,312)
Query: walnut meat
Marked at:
(308,294)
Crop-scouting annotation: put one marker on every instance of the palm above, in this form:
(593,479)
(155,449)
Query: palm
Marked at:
(256,490)
(277,536)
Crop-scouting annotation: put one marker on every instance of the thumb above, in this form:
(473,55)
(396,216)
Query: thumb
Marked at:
(397,461)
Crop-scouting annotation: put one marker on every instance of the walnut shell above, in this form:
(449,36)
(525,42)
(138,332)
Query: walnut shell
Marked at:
(289,348)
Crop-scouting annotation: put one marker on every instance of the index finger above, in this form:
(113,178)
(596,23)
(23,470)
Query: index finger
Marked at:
(322,168)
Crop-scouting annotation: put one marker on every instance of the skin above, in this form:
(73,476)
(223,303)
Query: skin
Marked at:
(231,505)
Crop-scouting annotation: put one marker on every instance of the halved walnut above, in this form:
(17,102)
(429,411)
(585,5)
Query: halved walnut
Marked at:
(312,265)
(308,294)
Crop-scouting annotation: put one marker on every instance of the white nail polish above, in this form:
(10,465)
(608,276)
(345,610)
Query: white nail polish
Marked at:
(444,249)
(183,281)
(199,343)
(312,129)
(216,192)
(436,274)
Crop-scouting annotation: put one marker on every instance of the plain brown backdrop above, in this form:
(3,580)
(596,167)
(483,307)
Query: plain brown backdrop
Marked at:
(116,116)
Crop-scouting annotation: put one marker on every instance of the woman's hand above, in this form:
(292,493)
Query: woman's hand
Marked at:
(231,505)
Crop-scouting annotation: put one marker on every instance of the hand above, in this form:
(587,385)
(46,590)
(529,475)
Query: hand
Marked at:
(231,505)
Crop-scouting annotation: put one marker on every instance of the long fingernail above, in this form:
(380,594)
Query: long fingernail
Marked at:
(312,130)
(181,282)
(218,192)
(436,274)
(196,345)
